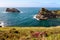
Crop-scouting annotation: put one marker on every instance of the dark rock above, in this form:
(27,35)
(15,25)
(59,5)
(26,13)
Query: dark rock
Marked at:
(0,26)
(12,10)
(47,14)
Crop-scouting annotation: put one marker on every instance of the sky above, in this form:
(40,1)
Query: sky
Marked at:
(29,3)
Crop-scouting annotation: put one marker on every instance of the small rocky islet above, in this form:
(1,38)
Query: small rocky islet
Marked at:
(12,10)
(45,14)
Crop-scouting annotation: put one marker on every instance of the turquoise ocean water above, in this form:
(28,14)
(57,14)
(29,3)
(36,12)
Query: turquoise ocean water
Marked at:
(26,17)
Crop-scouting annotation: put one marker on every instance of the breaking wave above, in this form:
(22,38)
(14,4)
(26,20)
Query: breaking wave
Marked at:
(35,17)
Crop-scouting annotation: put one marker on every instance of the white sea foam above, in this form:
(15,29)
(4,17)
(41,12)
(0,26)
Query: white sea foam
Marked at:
(1,23)
(4,12)
(35,17)
(21,11)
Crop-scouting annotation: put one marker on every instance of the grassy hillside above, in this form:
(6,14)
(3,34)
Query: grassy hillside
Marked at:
(24,33)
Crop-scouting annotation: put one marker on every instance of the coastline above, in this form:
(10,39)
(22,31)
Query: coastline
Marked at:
(30,27)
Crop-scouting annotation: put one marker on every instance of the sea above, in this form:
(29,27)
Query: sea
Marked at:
(26,17)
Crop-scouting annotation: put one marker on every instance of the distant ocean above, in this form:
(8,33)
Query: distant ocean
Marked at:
(26,17)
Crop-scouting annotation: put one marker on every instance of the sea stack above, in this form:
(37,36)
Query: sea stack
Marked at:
(45,14)
(12,10)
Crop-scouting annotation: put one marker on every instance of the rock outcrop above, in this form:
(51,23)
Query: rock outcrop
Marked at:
(12,10)
(47,14)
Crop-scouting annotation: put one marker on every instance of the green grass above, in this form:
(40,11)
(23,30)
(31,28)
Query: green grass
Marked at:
(23,33)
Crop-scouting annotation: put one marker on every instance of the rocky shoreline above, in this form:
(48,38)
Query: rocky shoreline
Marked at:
(45,14)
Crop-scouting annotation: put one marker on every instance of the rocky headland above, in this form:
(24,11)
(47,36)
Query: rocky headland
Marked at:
(47,14)
(12,10)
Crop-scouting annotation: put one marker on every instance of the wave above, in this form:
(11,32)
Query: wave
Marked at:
(21,11)
(5,12)
(35,17)
(1,23)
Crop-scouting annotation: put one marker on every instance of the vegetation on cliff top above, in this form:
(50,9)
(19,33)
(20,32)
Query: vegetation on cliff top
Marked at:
(30,33)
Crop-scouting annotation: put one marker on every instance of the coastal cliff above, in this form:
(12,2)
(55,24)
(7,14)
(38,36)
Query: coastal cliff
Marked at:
(47,14)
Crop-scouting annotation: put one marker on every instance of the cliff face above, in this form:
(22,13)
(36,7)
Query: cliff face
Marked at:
(12,10)
(47,14)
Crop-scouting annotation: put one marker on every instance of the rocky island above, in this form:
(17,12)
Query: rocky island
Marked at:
(47,14)
(12,10)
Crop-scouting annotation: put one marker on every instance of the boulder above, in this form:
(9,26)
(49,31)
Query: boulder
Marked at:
(47,14)
(12,10)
